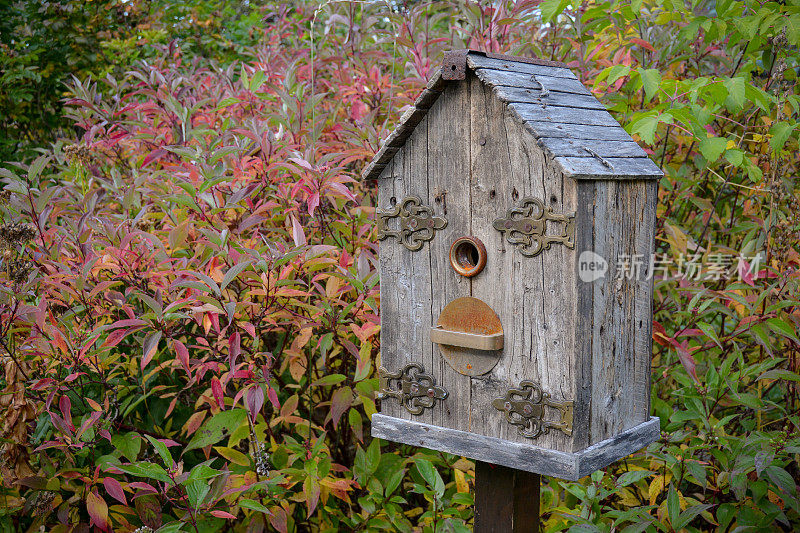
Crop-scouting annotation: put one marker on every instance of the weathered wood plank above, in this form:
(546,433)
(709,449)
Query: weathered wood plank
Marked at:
(610,168)
(526,457)
(518,94)
(580,147)
(621,445)
(576,131)
(389,270)
(584,316)
(564,115)
(475,61)
(448,191)
(528,81)
(506,500)
(645,226)
(563,465)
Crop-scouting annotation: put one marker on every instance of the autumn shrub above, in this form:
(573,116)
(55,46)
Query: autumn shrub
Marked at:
(190,299)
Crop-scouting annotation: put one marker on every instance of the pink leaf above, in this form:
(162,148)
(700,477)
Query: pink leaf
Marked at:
(98,510)
(313,203)
(223,514)
(255,401)
(297,233)
(114,489)
(687,360)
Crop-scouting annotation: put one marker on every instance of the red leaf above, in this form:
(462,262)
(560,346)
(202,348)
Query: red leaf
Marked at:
(65,405)
(216,388)
(273,398)
(98,510)
(223,514)
(114,489)
(687,360)
(340,403)
(183,355)
(644,44)
(234,349)
(149,347)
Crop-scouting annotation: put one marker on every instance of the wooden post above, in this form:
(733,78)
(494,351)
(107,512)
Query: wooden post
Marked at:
(506,500)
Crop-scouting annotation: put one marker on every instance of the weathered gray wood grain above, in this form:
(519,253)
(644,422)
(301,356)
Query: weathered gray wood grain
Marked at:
(527,457)
(564,115)
(580,147)
(518,94)
(517,79)
(475,61)
(610,168)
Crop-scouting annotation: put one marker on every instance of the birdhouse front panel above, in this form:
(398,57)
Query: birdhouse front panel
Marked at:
(495,343)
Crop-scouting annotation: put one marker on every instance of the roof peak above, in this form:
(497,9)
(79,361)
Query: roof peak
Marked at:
(569,123)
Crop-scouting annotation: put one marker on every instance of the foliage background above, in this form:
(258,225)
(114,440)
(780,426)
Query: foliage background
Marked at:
(189,296)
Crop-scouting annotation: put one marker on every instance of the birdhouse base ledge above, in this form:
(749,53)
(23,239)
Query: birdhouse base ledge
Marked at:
(527,457)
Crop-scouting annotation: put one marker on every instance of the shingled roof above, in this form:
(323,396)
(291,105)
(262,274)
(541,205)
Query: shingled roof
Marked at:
(569,123)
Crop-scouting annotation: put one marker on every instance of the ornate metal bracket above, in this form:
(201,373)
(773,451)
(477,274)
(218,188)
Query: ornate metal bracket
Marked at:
(417,390)
(527,226)
(417,223)
(524,407)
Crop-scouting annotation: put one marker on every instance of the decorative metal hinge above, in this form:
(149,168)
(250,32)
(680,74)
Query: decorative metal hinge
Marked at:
(524,407)
(522,226)
(417,390)
(417,223)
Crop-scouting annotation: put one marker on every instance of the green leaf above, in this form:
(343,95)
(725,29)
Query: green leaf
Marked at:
(673,505)
(780,133)
(196,492)
(780,373)
(552,8)
(689,514)
(712,148)
(232,273)
(782,328)
(616,72)
(202,472)
(430,475)
(128,445)
(215,428)
(632,477)
(255,506)
(651,81)
(327,381)
(162,450)
(736,92)
(148,470)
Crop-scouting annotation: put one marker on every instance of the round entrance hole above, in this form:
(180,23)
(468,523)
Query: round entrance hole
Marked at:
(468,256)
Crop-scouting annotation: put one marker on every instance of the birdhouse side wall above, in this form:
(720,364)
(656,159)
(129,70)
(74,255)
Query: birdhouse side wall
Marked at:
(615,220)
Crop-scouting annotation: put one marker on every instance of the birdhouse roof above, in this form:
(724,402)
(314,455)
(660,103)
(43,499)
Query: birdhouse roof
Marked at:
(568,122)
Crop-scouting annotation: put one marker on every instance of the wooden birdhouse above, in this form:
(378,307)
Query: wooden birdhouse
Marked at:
(509,203)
